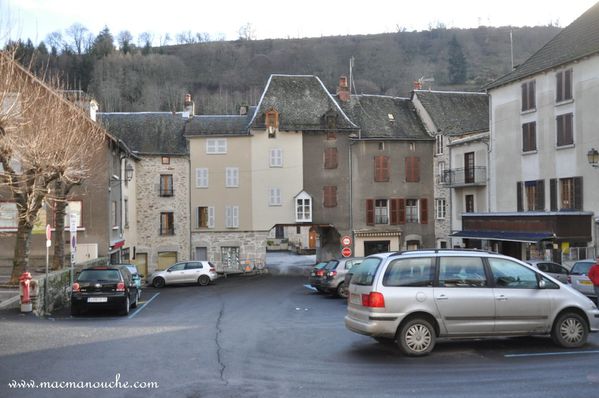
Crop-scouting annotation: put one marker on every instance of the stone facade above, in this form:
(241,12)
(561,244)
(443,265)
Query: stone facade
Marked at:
(150,205)
(251,246)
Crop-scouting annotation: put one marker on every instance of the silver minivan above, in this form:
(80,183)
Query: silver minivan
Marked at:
(415,297)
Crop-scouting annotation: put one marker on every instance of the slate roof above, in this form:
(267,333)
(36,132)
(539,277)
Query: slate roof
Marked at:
(301,101)
(149,133)
(371,113)
(456,113)
(577,40)
(219,125)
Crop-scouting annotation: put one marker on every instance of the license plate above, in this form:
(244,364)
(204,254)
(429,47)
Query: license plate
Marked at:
(586,283)
(97,299)
(355,299)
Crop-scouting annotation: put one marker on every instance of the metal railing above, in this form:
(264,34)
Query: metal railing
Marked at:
(464,176)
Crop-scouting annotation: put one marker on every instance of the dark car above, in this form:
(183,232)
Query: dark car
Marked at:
(107,287)
(316,275)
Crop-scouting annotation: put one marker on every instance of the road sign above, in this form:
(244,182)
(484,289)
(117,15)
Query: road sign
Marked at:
(346,252)
(48,232)
(73,221)
(346,241)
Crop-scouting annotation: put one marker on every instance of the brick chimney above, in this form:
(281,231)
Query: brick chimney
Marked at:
(417,85)
(188,105)
(343,89)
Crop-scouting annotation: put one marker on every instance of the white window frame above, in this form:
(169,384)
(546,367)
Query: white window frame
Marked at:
(232,216)
(216,146)
(210,221)
(409,219)
(439,141)
(303,201)
(441,171)
(9,216)
(440,208)
(274,197)
(232,177)
(202,179)
(276,157)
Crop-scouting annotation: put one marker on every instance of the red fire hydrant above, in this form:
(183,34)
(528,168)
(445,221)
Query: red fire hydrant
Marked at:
(24,281)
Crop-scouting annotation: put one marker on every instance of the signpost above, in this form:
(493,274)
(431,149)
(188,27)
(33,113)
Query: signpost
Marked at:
(346,241)
(48,244)
(73,223)
(346,252)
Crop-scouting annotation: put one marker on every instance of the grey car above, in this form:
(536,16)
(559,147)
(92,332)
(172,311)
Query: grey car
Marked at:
(333,280)
(200,272)
(579,277)
(555,270)
(415,297)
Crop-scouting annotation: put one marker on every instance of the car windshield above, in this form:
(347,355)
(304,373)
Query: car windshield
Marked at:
(364,273)
(91,275)
(582,267)
(331,264)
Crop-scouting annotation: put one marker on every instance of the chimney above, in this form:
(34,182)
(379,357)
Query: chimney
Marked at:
(188,105)
(343,89)
(417,85)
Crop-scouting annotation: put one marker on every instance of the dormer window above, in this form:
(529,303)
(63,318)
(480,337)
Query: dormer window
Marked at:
(272,122)
(303,207)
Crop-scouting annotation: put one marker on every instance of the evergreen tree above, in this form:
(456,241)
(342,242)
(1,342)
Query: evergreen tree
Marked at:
(104,44)
(457,63)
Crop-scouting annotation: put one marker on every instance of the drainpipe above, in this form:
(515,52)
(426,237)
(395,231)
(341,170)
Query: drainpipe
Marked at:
(351,192)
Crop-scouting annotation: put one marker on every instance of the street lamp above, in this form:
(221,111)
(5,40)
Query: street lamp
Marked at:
(593,157)
(128,172)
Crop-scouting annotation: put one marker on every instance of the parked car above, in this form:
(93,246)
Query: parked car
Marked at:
(579,277)
(555,270)
(315,273)
(415,297)
(348,276)
(200,272)
(333,280)
(136,276)
(104,287)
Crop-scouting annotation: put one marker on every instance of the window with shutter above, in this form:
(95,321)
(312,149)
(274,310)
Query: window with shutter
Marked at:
(424,211)
(565,129)
(412,169)
(402,210)
(563,85)
(553,194)
(369,211)
(201,178)
(528,96)
(394,212)
(330,158)
(330,196)
(529,137)
(519,199)
(381,168)
(381,212)
(276,157)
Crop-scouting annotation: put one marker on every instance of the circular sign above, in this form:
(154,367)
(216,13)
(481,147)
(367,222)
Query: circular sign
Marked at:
(346,241)
(346,252)
(48,232)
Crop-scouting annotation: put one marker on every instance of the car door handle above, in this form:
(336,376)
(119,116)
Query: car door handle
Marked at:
(442,297)
(502,298)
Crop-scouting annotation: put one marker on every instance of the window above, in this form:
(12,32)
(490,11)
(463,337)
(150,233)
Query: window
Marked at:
(330,158)
(511,275)
(411,210)
(216,146)
(113,212)
(271,120)
(535,195)
(274,197)
(194,265)
(74,207)
(8,215)
(167,226)
(230,256)
(462,272)
(439,144)
(126,211)
(528,96)
(381,168)
(303,208)
(469,200)
(571,193)
(414,272)
(381,212)
(232,216)
(529,137)
(412,169)
(469,167)
(564,130)
(166,185)
(563,85)
(330,196)
(205,217)
(232,177)
(166,160)
(440,209)
(201,178)
(442,174)
(276,157)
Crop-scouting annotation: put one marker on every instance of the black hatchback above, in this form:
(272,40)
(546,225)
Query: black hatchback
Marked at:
(109,287)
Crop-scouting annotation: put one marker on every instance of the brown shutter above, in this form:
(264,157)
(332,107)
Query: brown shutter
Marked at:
(532,100)
(394,211)
(568,137)
(423,211)
(568,84)
(385,164)
(330,158)
(330,196)
(369,211)
(524,96)
(519,204)
(402,210)
(559,78)
(540,199)
(381,168)
(412,169)
(577,193)
(553,194)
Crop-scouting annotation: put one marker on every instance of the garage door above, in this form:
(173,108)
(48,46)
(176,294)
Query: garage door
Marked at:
(141,260)
(166,259)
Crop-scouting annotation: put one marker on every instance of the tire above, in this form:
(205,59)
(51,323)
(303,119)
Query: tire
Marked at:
(416,337)
(570,330)
(158,283)
(203,280)
(342,291)
(125,309)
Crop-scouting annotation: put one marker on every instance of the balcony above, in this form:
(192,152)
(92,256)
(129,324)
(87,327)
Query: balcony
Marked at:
(167,231)
(166,192)
(464,177)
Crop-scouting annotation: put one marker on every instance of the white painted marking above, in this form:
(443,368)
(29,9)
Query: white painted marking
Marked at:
(545,354)
(143,306)
(311,288)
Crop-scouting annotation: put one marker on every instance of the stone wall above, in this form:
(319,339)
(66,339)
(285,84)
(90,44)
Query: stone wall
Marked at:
(252,246)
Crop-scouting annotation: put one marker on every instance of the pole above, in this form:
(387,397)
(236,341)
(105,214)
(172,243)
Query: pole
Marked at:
(46,280)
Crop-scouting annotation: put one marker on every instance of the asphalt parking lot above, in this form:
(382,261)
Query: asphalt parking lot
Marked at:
(270,336)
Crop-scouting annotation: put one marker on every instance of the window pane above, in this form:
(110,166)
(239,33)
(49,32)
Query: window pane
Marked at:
(508,274)
(409,272)
(462,272)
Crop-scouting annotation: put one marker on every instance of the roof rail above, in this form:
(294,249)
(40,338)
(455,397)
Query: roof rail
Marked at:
(437,250)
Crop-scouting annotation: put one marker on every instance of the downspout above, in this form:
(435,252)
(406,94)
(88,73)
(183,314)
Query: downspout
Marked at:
(351,192)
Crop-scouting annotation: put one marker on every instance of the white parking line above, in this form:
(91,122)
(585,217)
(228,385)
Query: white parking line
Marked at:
(311,288)
(545,354)
(143,306)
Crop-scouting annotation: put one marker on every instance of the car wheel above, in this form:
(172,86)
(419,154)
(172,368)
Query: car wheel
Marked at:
(158,283)
(416,337)
(342,290)
(125,309)
(570,331)
(203,280)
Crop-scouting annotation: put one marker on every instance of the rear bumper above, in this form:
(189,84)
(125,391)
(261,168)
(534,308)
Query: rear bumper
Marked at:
(373,328)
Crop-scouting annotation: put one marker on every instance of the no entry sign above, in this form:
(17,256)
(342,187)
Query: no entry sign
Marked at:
(346,252)
(346,241)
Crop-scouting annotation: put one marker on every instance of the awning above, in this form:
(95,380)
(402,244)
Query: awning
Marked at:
(531,237)
(117,244)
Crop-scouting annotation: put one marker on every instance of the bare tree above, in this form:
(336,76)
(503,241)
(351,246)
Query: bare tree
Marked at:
(247,32)
(124,39)
(43,138)
(78,34)
(185,37)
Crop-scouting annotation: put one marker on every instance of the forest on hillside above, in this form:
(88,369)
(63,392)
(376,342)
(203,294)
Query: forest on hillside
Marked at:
(222,75)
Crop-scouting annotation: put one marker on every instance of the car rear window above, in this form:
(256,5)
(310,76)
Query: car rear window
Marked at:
(582,267)
(365,272)
(91,275)
(331,264)
(414,272)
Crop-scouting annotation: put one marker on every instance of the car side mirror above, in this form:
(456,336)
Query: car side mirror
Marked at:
(168,270)
(542,284)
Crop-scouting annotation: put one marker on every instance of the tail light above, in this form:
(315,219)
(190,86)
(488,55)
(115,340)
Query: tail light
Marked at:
(332,273)
(320,273)
(120,287)
(212,269)
(76,287)
(373,300)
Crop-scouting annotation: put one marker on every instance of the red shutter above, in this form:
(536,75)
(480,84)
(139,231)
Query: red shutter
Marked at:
(385,168)
(381,168)
(412,169)
(402,210)
(369,211)
(330,196)
(394,211)
(330,158)
(423,211)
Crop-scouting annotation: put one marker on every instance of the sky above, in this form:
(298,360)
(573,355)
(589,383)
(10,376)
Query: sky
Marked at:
(34,19)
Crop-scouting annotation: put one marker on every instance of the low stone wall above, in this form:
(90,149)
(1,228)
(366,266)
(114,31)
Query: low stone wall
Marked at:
(59,288)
